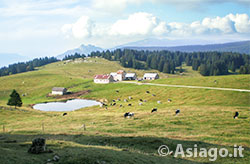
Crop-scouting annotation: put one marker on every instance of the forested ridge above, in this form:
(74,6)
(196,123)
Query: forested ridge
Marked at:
(26,66)
(207,63)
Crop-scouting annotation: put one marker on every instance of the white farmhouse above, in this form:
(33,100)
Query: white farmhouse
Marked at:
(103,79)
(150,76)
(114,75)
(130,76)
(59,91)
(119,75)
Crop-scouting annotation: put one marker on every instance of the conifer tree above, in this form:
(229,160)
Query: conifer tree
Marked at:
(15,99)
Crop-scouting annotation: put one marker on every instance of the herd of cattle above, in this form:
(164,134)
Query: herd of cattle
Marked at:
(130,114)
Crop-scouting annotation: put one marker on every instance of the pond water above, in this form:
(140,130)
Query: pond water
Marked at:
(69,105)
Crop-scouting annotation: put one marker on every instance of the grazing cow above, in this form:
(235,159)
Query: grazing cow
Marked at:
(125,100)
(147,92)
(130,97)
(140,104)
(129,104)
(141,100)
(113,100)
(177,111)
(118,99)
(64,114)
(158,102)
(154,110)
(120,105)
(236,115)
(153,95)
(128,114)
(117,91)
(169,100)
(114,104)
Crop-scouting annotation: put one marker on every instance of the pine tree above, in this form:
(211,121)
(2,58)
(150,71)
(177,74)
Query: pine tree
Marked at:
(233,66)
(15,99)
(161,65)
(166,67)
(172,67)
(154,62)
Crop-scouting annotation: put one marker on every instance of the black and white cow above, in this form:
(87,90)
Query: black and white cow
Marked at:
(128,115)
(236,115)
(154,110)
(177,111)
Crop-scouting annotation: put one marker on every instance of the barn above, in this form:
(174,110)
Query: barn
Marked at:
(130,76)
(59,91)
(151,76)
(103,79)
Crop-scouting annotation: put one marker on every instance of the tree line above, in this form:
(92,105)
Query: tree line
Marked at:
(73,57)
(26,66)
(207,63)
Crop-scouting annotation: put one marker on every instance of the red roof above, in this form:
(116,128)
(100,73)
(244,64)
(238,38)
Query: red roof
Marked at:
(120,72)
(102,76)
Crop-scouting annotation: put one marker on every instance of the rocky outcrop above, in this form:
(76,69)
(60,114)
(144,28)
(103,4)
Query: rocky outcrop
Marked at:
(39,146)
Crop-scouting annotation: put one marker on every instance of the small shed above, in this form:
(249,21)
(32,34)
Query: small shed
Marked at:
(130,76)
(59,91)
(151,76)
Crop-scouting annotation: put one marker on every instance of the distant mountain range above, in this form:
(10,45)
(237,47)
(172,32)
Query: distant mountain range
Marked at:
(83,49)
(170,45)
(157,42)
(147,44)
(240,47)
(10,58)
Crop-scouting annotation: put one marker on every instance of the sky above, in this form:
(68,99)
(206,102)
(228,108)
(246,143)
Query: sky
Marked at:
(36,28)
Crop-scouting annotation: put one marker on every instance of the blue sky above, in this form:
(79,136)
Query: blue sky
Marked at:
(47,28)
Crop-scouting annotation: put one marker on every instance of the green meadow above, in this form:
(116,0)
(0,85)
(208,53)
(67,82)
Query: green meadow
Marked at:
(206,116)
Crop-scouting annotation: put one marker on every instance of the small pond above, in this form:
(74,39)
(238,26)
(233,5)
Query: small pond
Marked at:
(69,105)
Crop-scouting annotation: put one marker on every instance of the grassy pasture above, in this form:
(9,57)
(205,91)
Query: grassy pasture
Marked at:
(205,118)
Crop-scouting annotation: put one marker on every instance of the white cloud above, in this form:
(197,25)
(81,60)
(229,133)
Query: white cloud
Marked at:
(161,29)
(147,25)
(177,28)
(224,24)
(138,24)
(239,23)
(82,28)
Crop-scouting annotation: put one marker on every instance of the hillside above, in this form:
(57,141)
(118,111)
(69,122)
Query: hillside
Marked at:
(205,118)
(240,47)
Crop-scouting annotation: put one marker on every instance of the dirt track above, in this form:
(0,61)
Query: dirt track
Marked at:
(185,86)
